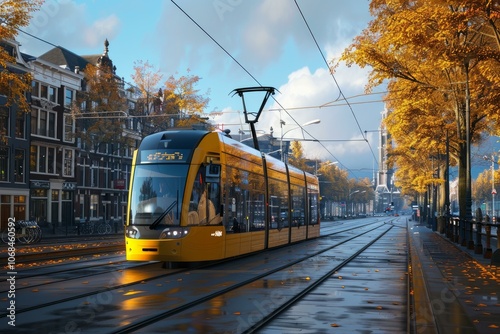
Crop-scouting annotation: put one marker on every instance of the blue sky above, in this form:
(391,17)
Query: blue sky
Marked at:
(269,38)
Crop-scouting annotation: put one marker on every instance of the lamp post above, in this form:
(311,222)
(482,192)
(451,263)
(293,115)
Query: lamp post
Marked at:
(323,165)
(314,121)
(349,202)
(352,202)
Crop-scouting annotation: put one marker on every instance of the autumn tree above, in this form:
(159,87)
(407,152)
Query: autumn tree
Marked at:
(440,60)
(333,181)
(363,192)
(481,188)
(297,158)
(147,80)
(181,97)
(14,14)
(99,110)
(175,104)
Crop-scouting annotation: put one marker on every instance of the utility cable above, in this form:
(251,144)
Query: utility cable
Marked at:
(334,79)
(253,77)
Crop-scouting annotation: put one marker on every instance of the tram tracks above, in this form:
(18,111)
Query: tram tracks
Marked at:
(165,296)
(260,324)
(251,280)
(252,314)
(43,254)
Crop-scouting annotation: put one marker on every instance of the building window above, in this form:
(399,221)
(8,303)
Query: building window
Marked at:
(51,126)
(68,163)
(33,153)
(51,160)
(68,97)
(21,126)
(43,159)
(94,204)
(35,87)
(69,129)
(102,148)
(93,173)
(44,91)
(52,94)
(4,163)
(66,196)
(19,162)
(4,123)
(19,207)
(43,123)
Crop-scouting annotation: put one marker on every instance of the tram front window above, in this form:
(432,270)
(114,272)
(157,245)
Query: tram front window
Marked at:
(157,192)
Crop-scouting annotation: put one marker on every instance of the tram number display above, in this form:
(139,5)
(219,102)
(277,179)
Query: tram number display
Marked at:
(164,156)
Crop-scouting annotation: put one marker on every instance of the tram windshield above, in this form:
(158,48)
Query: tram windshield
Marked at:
(157,192)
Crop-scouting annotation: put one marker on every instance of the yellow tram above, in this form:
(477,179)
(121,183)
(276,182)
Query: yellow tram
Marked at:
(199,195)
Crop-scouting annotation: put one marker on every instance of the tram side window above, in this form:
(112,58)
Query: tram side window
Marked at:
(314,205)
(298,205)
(204,207)
(256,211)
(244,201)
(278,197)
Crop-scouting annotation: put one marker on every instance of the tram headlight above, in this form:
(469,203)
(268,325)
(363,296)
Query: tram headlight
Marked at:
(174,232)
(133,232)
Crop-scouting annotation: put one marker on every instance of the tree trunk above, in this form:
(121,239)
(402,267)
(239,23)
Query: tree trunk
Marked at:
(462,180)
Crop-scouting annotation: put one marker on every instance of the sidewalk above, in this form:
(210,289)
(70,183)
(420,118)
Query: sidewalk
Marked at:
(455,290)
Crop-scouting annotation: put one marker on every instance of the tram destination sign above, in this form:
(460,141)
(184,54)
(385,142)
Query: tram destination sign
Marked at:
(164,156)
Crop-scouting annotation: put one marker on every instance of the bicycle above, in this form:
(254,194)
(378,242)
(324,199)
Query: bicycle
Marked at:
(103,228)
(26,232)
(92,227)
(86,228)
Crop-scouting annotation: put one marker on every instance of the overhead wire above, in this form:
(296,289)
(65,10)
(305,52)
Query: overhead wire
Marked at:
(334,79)
(36,37)
(126,82)
(248,72)
(58,46)
(329,104)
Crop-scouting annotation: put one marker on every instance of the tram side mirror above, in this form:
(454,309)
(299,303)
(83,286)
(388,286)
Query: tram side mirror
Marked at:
(212,170)
(212,173)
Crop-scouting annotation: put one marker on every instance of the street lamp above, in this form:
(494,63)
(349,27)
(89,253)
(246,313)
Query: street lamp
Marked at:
(323,165)
(351,203)
(314,121)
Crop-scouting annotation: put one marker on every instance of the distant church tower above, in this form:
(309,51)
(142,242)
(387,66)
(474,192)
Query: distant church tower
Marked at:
(385,189)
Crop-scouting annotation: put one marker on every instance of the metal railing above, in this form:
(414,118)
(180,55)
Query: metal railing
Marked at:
(471,234)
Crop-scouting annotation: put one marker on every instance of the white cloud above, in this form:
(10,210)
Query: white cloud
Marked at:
(267,30)
(101,29)
(68,24)
(338,131)
(268,37)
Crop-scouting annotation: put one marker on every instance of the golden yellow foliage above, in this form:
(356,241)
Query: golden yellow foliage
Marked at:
(441,61)
(14,14)
(99,110)
(185,99)
(481,187)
